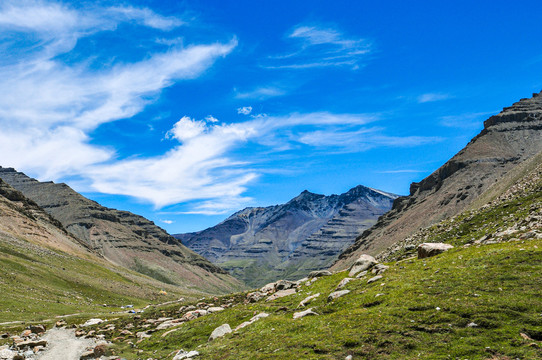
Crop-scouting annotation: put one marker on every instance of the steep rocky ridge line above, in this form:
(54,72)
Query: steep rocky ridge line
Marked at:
(121,237)
(507,140)
(290,240)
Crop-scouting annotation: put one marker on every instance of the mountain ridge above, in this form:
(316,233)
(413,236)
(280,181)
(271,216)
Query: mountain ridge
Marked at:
(259,244)
(508,139)
(121,237)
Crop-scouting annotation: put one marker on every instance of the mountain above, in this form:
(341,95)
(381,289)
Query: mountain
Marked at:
(508,140)
(46,272)
(259,244)
(123,238)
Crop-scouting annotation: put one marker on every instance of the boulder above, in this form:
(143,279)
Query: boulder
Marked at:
(285,285)
(426,250)
(337,294)
(60,323)
(185,354)
(280,294)
(379,269)
(362,274)
(319,273)
(373,279)
(91,322)
(308,299)
(364,262)
(255,296)
(214,309)
(100,350)
(37,329)
(269,288)
(31,344)
(87,355)
(344,282)
(220,332)
(6,354)
(301,314)
(253,319)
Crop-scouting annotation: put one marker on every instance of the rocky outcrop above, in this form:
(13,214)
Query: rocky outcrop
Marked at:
(508,139)
(289,241)
(121,237)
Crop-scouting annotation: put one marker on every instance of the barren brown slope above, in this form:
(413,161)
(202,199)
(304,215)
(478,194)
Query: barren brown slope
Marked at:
(507,140)
(123,238)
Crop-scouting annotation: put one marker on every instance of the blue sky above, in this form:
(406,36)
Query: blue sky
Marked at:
(186,111)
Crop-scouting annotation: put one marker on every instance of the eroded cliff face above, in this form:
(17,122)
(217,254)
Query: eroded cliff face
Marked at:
(290,240)
(121,237)
(507,140)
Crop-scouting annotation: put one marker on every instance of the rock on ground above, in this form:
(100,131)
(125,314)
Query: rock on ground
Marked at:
(426,250)
(373,279)
(364,262)
(220,331)
(308,299)
(337,294)
(253,319)
(185,354)
(281,293)
(344,282)
(301,314)
(319,273)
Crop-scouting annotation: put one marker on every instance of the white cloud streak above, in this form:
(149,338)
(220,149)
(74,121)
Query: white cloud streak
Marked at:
(319,47)
(261,93)
(432,97)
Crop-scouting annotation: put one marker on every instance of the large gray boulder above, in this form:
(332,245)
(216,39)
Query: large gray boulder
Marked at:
(220,331)
(426,250)
(364,262)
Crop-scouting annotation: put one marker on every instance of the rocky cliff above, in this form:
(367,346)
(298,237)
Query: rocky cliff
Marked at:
(508,139)
(287,241)
(121,237)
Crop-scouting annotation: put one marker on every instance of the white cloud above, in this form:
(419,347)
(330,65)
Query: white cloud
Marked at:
(146,17)
(260,93)
(245,110)
(465,121)
(431,97)
(186,129)
(169,222)
(321,47)
(211,119)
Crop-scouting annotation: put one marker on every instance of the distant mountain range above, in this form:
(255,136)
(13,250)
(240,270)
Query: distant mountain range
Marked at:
(261,244)
(123,238)
(508,140)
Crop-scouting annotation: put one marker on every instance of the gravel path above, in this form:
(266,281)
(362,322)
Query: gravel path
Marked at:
(62,344)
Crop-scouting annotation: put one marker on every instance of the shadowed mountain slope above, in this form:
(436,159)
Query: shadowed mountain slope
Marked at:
(507,140)
(123,238)
(287,241)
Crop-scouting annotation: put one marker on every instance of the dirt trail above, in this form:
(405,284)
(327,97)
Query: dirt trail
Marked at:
(62,344)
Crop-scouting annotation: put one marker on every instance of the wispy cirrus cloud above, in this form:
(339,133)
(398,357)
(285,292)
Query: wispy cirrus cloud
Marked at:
(260,93)
(465,121)
(319,47)
(432,97)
